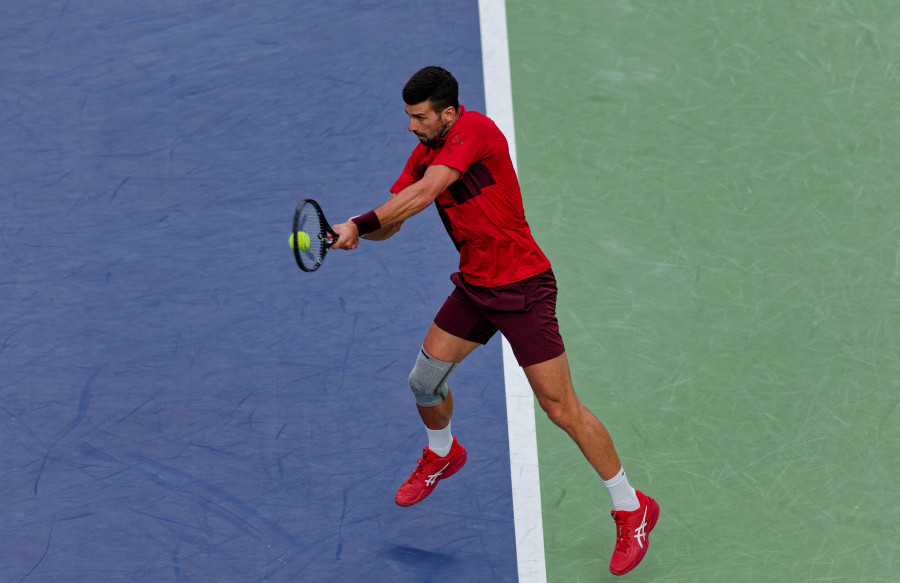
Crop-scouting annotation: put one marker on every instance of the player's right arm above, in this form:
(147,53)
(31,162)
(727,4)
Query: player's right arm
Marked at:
(385,232)
(417,196)
(410,201)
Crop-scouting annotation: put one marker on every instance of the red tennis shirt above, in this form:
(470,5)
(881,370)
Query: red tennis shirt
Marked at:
(482,211)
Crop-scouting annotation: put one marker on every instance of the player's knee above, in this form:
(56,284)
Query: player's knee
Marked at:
(561,413)
(554,410)
(428,379)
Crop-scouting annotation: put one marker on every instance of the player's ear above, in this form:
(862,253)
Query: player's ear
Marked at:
(448,114)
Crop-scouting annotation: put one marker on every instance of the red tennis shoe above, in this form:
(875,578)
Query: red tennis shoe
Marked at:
(430,470)
(633,534)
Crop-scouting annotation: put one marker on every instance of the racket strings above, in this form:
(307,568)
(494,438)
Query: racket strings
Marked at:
(309,220)
(310,223)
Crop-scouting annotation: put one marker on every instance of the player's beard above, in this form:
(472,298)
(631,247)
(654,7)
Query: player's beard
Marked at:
(430,141)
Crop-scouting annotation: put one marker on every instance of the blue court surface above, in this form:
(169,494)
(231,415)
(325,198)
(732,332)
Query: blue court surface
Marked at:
(178,402)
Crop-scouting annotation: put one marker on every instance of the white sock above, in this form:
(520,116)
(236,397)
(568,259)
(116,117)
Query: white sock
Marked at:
(440,440)
(622,493)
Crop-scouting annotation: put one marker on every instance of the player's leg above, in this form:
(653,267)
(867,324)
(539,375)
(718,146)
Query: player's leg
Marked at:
(444,347)
(536,341)
(552,385)
(457,330)
(533,333)
(635,513)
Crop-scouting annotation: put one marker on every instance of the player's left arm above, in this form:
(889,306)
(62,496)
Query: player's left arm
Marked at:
(408,202)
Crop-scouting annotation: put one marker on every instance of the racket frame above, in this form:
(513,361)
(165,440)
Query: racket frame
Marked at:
(324,231)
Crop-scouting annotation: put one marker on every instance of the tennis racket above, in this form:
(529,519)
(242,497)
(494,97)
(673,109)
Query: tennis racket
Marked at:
(312,237)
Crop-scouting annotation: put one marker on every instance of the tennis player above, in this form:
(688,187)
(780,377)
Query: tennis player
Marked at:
(462,166)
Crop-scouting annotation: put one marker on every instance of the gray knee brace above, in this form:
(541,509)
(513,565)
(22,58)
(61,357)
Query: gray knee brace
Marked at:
(428,379)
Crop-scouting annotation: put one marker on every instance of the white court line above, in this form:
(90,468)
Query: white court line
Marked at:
(526,487)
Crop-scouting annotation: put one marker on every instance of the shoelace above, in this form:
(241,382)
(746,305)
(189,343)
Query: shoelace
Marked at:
(420,463)
(622,534)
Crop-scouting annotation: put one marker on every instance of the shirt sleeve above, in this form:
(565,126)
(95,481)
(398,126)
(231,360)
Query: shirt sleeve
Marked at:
(412,172)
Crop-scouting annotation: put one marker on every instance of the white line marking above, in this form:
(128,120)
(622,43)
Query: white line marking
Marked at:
(526,486)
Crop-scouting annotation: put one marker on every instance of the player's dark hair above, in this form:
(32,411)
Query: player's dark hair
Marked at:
(435,84)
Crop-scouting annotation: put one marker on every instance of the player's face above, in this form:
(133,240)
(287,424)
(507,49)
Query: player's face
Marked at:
(428,125)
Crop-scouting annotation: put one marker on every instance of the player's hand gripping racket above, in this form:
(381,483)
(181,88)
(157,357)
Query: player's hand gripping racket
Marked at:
(312,237)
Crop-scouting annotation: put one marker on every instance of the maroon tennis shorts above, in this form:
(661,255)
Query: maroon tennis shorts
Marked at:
(524,312)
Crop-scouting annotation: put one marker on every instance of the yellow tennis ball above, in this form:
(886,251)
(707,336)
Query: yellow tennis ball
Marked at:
(303,238)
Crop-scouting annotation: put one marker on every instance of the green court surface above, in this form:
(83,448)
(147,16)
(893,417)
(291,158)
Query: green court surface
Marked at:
(716,184)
